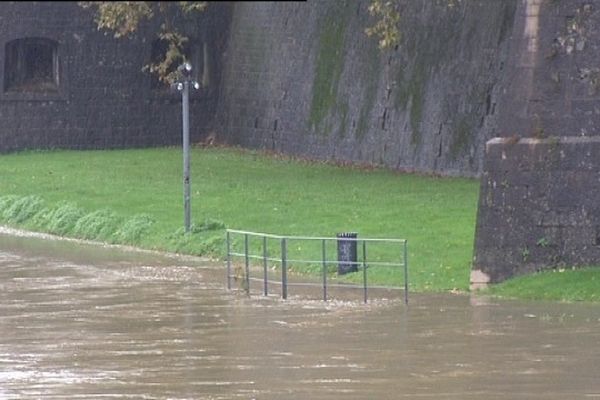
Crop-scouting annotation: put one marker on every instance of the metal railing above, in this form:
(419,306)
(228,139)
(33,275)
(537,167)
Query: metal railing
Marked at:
(263,249)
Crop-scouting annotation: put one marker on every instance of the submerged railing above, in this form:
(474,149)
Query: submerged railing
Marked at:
(311,253)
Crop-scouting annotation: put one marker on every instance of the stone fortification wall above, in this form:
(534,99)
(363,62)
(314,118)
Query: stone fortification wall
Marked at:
(100,97)
(304,79)
(538,203)
(553,74)
(538,207)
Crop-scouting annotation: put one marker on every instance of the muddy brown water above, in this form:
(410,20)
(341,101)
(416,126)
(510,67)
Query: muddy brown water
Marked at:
(86,322)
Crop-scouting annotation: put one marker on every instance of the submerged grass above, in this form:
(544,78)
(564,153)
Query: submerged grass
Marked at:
(135,197)
(59,220)
(67,219)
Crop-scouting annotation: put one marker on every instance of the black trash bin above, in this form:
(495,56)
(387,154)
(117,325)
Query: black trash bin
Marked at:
(347,256)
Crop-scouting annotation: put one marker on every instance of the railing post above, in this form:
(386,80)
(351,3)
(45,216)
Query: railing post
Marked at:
(283,268)
(405,272)
(324,272)
(228,240)
(266,292)
(365,268)
(247,259)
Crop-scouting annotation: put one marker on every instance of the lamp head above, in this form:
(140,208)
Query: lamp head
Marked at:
(185,69)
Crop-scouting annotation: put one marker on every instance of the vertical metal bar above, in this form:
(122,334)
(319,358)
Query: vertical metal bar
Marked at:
(324,272)
(266,291)
(228,240)
(283,268)
(405,272)
(365,268)
(247,259)
(185,99)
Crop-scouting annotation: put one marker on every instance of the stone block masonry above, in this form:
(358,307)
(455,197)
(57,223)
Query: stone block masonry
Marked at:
(302,78)
(539,207)
(94,94)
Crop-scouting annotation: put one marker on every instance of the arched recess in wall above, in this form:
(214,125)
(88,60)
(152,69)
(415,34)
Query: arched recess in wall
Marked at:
(31,64)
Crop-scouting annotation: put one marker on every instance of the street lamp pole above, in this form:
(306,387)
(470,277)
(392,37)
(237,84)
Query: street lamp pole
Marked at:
(183,85)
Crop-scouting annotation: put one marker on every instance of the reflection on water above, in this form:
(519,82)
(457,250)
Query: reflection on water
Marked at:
(79,321)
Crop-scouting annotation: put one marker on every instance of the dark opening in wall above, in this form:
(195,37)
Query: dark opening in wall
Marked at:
(31,65)
(193,52)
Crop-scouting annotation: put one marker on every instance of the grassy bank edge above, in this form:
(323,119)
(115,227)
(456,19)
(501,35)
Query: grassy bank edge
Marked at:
(568,285)
(32,213)
(107,228)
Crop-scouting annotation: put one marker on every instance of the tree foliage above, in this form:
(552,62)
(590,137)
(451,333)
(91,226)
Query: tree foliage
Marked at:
(386,28)
(387,24)
(124,18)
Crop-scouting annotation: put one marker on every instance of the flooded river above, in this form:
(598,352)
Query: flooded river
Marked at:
(87,322)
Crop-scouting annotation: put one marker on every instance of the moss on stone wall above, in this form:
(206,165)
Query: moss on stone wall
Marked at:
(372,67)
(425,52)
(417,96)
(410,91)
(343,115)
(462,136)
(329,63)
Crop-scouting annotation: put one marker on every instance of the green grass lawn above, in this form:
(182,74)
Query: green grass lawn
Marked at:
(562,285)
(135,197)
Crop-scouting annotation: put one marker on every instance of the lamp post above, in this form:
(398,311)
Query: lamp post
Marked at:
(183,85)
